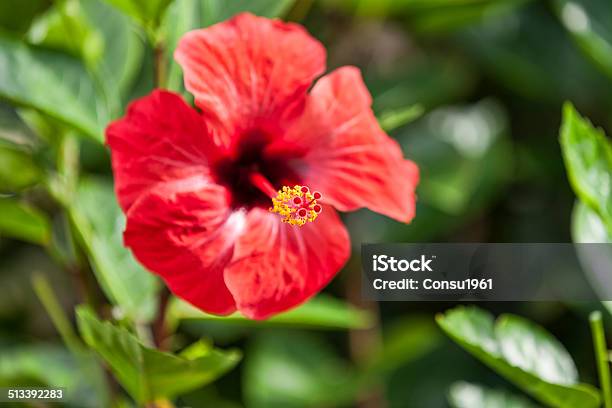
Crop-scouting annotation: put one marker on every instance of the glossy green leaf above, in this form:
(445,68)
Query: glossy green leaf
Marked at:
(322,312)
(146,12)
(466,395)
(588,160)
(590,23)
(18,220)
(294,370)
(69,92)
(523,353)
(100,223)
(587,225)
(148,374)
(17,169)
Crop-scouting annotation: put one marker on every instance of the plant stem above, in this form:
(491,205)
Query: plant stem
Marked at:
(159,326)
(601,355)
(159,65)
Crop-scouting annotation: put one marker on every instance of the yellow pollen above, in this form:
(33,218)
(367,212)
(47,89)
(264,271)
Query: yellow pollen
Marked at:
(296,205)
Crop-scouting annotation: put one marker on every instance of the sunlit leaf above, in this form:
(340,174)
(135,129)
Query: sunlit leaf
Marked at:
(64,27)
(523,353)
(69,93)
(146,373)
(588,159)
(18,220)
(467,395)
(322,312)
(100,223)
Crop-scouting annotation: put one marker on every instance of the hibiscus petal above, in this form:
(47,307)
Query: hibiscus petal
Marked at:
(247,70)
(160,138)
(349,158)
(184,231)
(277,266)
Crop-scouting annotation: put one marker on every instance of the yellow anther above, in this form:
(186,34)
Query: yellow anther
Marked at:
(296,205)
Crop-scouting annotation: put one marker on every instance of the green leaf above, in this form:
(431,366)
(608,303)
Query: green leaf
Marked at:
(123,50)
(53,83)
(148,13)
(523,353)
(587,226)
(588,160)
(322,312)
(17,15)
(465,395)
(404,341)
(214,11)
(393,119)
(590,24)
(52,366)
(21,221)
(296,370)
(64,27)
(148,374)
(99,223)
(17,169)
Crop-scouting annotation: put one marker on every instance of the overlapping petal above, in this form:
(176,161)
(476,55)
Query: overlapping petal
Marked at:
(160,138)
(277,266)
(249,72)
(349,158)
(184,231)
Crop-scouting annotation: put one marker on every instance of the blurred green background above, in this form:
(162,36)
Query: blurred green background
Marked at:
(473,91)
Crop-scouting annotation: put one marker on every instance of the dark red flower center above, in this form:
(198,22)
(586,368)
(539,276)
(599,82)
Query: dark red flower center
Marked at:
(255,155)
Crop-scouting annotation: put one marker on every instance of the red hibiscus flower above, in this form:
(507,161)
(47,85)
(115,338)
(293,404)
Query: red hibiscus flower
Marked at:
(235,206)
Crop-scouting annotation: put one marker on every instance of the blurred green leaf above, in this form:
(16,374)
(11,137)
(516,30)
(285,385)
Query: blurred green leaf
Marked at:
(296,370)
(393,119)
(146,373)
(69,93)
(100,223)
(18,220)
(17,15)
(52,366)
(214,11)
(465,395)
(64,27)
(17,169)
(148,13)
(321,312)
(515,50)
(122,53)
(522,352)
(590,23)
(405,340)
(588,159)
